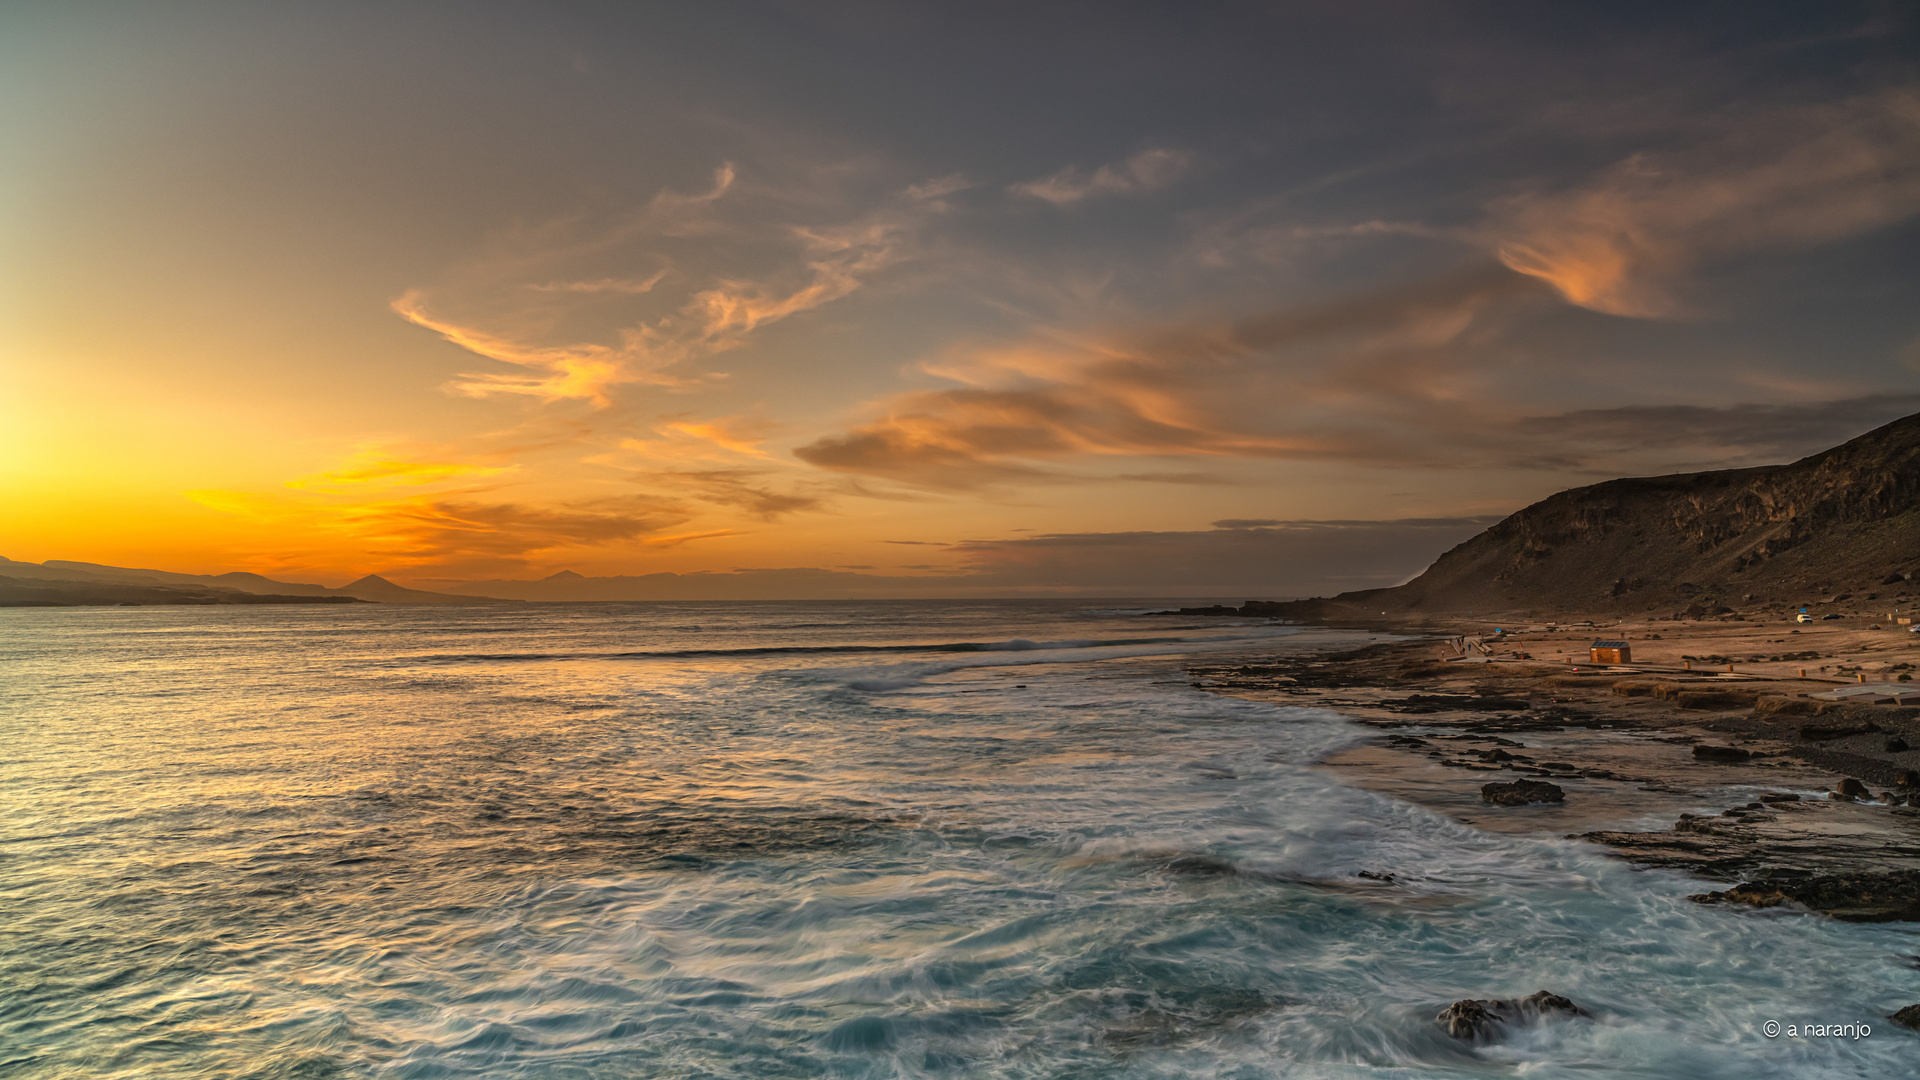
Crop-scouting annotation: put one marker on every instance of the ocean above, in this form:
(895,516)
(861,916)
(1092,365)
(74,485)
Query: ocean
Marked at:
(862,839)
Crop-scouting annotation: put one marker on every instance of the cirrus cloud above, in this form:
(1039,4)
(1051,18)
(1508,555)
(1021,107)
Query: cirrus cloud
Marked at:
(741,267)
(1803,175)
(1147,171)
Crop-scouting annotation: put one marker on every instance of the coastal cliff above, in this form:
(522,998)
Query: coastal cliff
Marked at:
(1840,524)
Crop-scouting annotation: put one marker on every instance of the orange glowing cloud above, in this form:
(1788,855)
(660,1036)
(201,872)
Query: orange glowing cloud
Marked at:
(445,531)
(1347,381)
(1799,176)
(718,439)
(1148,170)
(710,318)
(377,467)
(584,372)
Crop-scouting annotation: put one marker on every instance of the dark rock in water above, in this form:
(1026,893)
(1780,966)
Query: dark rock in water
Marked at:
(1522,792)
(1468,1019)
(1852,789)
(861,1033)
(1200,866)
(1495,754)
(1372,876)
(1779,797)
(1865,897)
(1720,753)
(1479,1020)
(1559,766)
(1215,609)
(1908,1017)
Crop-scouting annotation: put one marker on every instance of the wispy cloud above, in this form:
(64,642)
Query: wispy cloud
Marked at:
(383,465)
(1621,243)
(1426,375)
(452,532)
(1282,385)
(621,286)
(716,439)
(1711,437)
(1147,171)
(782,269)
(1275,558)
(750,490)
(1397,378)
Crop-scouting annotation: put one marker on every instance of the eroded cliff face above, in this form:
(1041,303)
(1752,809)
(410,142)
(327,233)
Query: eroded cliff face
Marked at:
(1843,521)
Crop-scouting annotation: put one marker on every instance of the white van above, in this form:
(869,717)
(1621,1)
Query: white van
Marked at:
(1803,617)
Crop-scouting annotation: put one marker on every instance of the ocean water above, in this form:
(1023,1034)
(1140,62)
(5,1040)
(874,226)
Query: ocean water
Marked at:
(804,840)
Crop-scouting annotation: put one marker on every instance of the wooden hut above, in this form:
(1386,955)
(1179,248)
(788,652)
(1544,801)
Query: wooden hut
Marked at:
(1611,652)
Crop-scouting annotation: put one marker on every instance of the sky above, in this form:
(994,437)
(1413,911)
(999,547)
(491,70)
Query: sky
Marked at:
(1200,299)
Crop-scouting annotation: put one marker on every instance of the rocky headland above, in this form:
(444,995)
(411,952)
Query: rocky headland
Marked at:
(1719,747)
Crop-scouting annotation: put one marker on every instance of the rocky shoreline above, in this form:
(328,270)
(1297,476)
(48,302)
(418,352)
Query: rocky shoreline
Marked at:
(1791,800)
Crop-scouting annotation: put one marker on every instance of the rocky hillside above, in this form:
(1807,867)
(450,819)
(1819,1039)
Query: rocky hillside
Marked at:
(1843,525)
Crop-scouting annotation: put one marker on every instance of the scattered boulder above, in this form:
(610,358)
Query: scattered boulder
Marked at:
(1908,778)
(1850,789)
(1480,1020)
(1907,1017)
(1897,745)
(1522,792)
(1720,753)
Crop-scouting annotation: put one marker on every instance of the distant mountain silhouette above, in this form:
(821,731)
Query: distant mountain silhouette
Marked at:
(1846,521)
(58,582)
(375,587)
(250,582)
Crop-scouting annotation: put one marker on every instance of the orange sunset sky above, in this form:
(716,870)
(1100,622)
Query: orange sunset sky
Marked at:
(1020,294)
